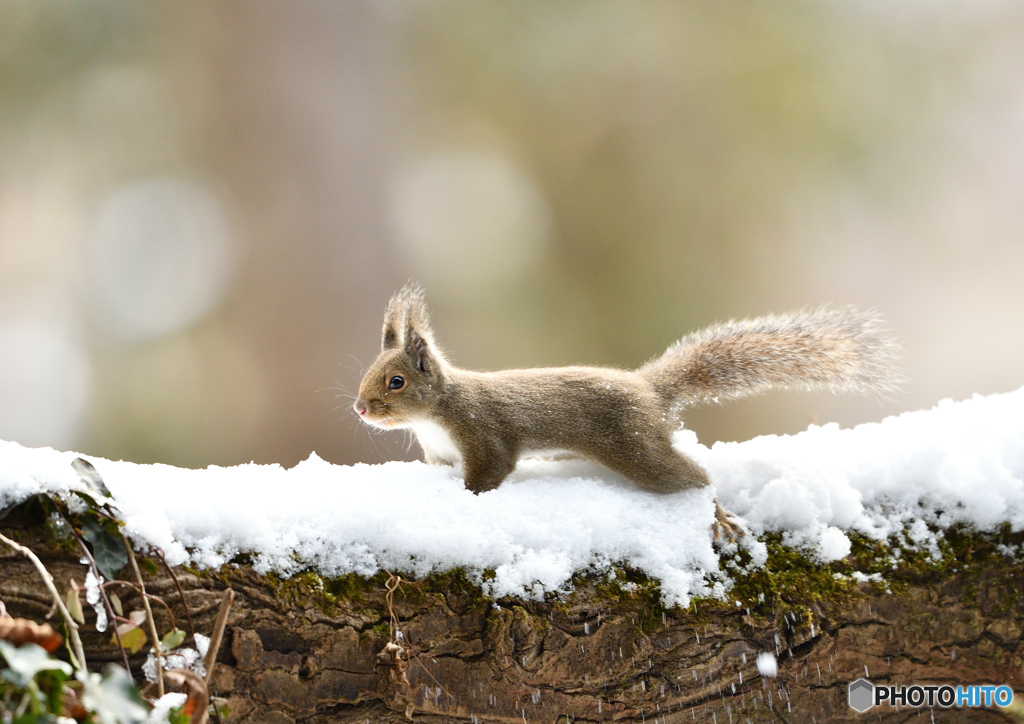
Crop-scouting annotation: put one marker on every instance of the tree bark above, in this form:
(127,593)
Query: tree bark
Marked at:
(307,649)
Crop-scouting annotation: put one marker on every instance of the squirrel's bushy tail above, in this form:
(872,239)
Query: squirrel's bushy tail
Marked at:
(835,349)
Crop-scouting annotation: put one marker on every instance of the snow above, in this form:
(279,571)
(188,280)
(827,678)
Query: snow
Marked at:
(960,462)
(767,666)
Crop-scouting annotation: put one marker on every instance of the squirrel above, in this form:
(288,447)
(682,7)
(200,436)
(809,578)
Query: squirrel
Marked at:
(487,421)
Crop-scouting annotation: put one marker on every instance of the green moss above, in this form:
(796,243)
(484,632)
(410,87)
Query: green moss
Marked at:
(788,576)
(456,582)
(303,588)
(382,630)
(792,581)
(626,587)
(352,587)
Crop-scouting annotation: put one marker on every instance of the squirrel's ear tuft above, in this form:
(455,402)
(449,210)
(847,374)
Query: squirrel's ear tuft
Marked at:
(419,350)
(406,311)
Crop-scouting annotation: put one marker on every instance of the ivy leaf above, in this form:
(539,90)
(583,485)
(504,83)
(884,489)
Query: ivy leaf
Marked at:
(40,499)
(90,502)
(107,549)
(133,639)
(172,639)
(89,475)
(74,603)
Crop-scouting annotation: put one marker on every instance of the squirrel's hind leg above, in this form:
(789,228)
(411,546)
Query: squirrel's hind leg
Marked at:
(725,526)
(655,465)
(662,469)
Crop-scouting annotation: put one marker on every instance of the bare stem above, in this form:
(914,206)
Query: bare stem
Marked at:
(70,623)
(103,595)
(142,591)
(218,632)
(170,572)
(149,616)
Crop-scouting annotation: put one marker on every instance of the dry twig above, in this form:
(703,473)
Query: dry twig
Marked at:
(226,600)
(72,626)
(177,584)
(157,649)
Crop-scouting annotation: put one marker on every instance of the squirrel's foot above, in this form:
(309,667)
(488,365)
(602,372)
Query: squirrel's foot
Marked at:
(725,526)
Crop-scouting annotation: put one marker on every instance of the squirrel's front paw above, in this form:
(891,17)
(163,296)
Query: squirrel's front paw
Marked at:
(725,526)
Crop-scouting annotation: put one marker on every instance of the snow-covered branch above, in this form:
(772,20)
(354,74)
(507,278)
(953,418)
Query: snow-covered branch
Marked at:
(961,462)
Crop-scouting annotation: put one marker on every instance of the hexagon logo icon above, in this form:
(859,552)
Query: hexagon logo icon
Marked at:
(862,695)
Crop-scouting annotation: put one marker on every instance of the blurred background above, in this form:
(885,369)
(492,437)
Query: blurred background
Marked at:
(204,207)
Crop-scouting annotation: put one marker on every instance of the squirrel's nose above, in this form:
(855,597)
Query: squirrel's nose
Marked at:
(360,407)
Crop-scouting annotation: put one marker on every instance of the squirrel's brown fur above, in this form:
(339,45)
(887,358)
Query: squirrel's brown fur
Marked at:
(487,421)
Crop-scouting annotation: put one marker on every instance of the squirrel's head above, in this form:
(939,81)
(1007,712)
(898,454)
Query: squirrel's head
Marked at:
(404,381)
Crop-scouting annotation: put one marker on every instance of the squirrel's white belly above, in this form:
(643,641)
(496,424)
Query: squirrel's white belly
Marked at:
(549,453)
(436,442)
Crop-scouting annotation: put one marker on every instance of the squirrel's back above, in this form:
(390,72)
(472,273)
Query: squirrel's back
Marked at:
(835,349)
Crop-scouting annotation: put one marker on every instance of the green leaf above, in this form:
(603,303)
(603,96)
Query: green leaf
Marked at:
(74,604)
(90,502)
(133,638)
(220,706)
(115,603)
(93,482)
(40,499)
(148,566)
(107,549)
(24,662)
(172,639)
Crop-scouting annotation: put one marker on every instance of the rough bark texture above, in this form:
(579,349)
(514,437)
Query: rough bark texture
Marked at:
(306,650)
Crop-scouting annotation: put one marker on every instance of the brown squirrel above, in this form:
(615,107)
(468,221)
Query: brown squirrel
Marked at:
(487,421)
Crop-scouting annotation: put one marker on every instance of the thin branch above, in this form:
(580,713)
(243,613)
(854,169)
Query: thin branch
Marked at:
(227,598)
(188,614)
(149,615)
(151,596)
(70,623)
(415,655)
(391,585)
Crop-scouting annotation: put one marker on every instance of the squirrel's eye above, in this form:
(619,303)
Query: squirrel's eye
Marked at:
(396,383)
